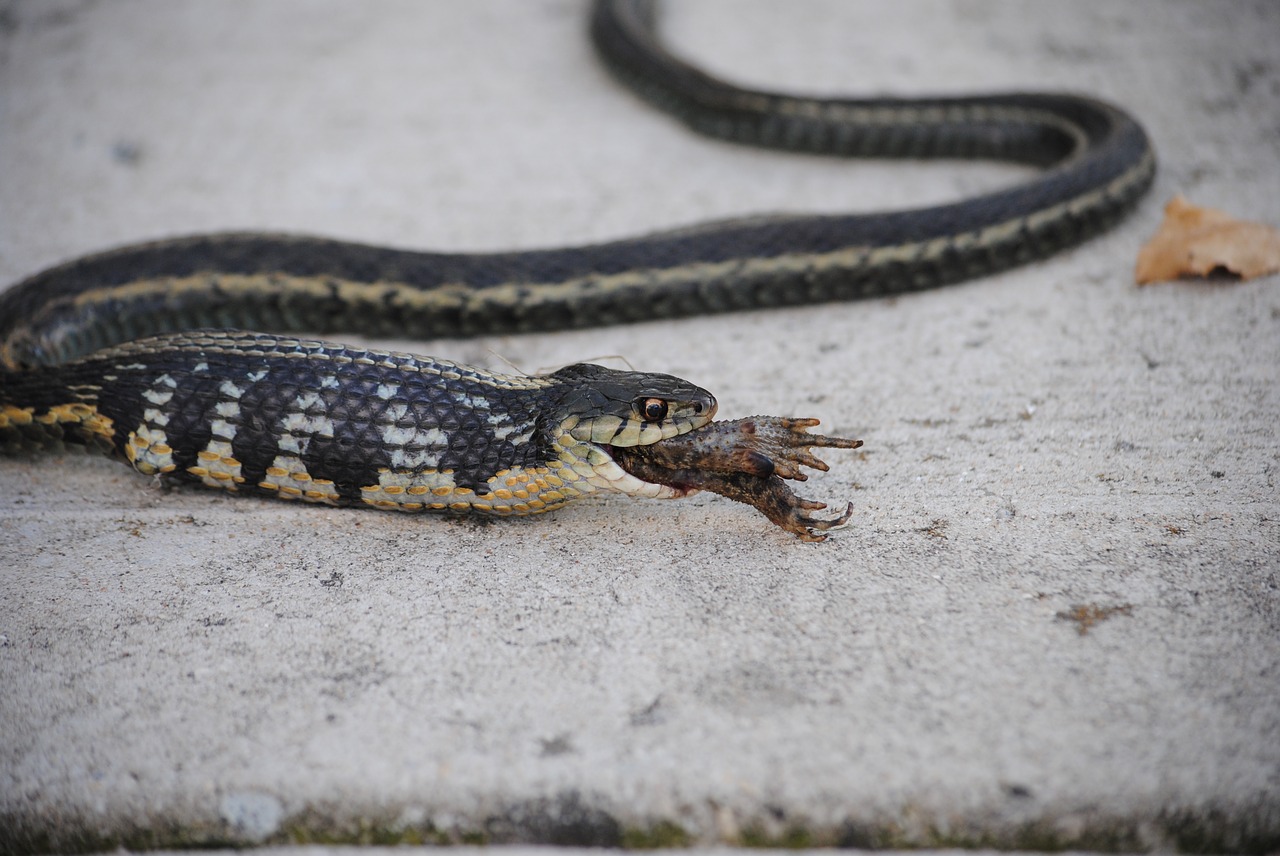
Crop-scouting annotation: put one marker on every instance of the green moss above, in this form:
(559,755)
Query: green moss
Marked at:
(315,829)
(1216,831)
(18,836)
(1241,831)
(476,838)
(661,835)
(793,837)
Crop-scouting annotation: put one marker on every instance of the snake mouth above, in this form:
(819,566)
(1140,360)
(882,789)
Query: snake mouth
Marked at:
(628,466)
(677,420)
(642,476)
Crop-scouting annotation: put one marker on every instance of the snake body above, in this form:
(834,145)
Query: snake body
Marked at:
(299,419)
(94,351)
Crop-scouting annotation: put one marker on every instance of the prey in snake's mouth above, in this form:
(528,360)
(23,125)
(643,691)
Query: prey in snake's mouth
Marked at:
(745,460)
(658,435)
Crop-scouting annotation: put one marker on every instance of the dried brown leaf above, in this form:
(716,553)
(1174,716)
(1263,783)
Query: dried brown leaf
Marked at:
(1194,241)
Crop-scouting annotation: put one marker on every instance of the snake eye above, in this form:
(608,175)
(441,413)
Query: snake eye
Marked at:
(653,409)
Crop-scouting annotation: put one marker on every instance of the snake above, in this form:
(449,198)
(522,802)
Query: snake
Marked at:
(149,353)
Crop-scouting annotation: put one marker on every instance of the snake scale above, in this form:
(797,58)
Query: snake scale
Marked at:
(140,352)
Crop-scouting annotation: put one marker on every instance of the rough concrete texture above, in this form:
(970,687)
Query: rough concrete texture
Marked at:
(1054,621)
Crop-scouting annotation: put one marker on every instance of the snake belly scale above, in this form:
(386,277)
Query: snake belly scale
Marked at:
(118,351)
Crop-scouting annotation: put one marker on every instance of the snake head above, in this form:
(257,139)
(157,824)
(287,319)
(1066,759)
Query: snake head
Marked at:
(597,410)
(616,408)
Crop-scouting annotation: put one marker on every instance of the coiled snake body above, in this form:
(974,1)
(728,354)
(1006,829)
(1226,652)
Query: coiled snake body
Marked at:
(100,351)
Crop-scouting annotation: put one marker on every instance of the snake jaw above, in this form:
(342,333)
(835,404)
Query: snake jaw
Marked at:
(598,465)
(595,464)
(599,411)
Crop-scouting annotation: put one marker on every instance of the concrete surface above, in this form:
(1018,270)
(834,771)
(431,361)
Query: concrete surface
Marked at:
(1055,620)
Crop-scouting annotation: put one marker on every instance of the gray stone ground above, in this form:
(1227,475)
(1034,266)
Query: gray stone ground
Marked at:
(182,667)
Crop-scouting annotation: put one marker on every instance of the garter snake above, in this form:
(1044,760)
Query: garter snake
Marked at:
(100,351)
